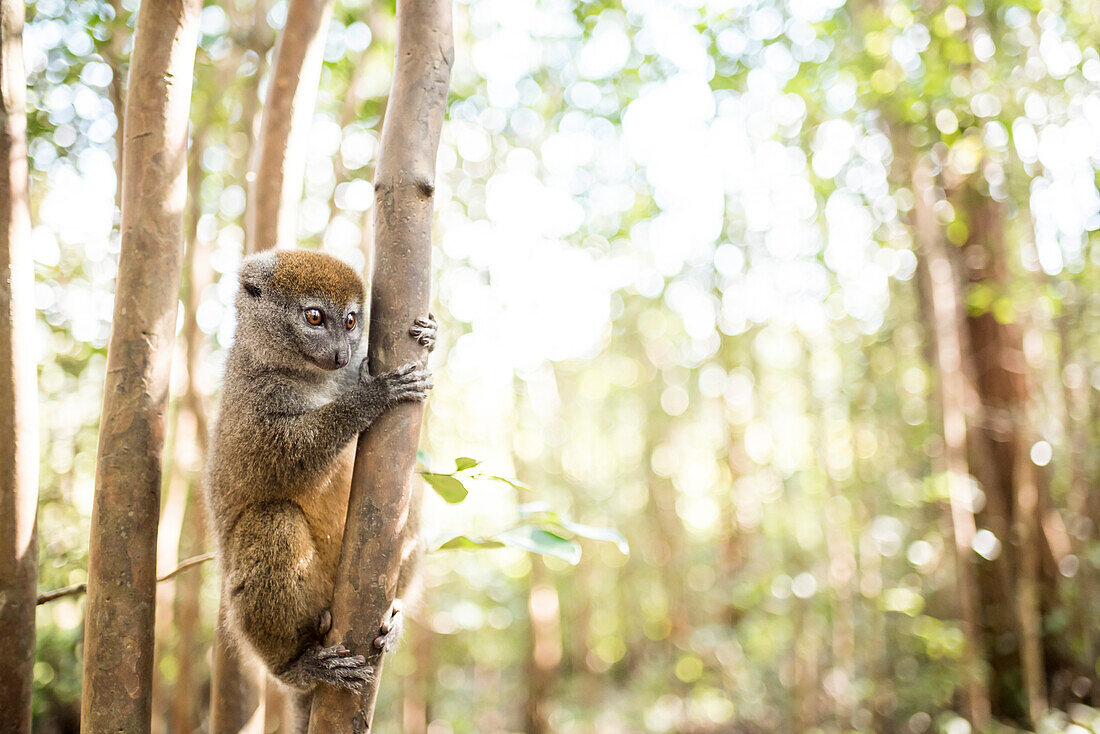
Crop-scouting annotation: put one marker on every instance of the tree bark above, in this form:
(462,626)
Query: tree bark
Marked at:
(380,487)
(18,401)
(118,642)
(275,181)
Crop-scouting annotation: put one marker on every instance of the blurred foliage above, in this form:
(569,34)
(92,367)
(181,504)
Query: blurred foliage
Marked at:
(677,280)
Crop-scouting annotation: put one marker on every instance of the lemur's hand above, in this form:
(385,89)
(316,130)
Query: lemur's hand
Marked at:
(334,666)
(409,382)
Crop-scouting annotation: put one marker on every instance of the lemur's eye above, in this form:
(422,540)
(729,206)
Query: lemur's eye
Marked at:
(314,316)
(350,321)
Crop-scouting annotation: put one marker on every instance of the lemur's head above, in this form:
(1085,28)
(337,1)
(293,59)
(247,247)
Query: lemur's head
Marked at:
(298,307)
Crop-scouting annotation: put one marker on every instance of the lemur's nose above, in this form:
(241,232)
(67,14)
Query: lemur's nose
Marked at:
(341,357)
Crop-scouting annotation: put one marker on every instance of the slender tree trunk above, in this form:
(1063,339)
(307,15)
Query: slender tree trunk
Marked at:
(118,638)
(946,311)
(236,690)
(279,163)
(380,487)
(1003,384)
(112,54)
(180,710)
(18,392)
(184,710)
(414,705)
(277,702)
(544,653)
(168,546)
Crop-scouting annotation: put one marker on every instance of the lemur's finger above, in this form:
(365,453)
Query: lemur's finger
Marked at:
(354,661)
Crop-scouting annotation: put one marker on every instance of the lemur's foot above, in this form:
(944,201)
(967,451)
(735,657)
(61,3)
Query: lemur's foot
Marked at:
(424,330)
(390,628)
(333,666)
(408,383)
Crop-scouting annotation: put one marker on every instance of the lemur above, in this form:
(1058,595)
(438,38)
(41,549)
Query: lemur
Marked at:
(296,394)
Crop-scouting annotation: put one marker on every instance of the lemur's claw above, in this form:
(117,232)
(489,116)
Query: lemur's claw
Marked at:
(390,627)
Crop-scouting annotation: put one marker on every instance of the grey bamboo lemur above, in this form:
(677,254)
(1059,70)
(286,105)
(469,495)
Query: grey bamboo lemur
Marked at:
(296,394)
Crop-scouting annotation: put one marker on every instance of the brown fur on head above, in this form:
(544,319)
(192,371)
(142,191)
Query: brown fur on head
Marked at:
(300,272)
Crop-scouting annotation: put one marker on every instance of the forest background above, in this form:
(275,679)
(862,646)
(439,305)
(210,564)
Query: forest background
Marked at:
(801,297)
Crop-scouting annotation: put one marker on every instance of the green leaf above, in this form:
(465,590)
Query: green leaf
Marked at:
(543,542)
(464,542)
(611,535)
(541,514)
(463,463)
(446,486)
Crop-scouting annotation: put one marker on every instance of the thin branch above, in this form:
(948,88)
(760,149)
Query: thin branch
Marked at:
(77,589)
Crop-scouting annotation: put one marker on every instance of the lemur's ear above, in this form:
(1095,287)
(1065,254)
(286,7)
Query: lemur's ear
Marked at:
(255,271)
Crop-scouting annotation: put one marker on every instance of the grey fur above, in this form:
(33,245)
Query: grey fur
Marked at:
(278,474)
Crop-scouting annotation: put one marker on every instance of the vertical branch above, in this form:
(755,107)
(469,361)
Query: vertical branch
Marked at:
(380,486)
(118,643)
(279,163)
(18,411)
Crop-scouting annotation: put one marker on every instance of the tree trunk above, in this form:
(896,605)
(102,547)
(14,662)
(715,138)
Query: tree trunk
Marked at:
(279,163)
(236,689)
(544,651)
(190,653)
(380,487)
(946,311)
(112,55)
(277,703)
(18,401)
(118,639)
(187,607)
(1005,437)
(414,705)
